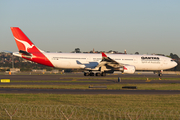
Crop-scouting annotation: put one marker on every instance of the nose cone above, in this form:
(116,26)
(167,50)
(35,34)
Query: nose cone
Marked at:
(175,64)
(170,64)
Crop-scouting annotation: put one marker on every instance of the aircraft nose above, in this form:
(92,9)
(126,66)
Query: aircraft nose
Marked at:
(175,64)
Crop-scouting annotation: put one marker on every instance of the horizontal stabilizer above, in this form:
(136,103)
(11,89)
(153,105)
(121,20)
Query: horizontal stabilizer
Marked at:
(7,51)
(25,53)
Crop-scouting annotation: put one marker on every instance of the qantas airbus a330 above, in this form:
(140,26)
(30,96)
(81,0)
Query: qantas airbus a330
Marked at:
(95,64)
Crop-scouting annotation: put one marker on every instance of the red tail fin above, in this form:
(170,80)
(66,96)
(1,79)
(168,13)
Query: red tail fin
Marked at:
(22,40)
(26,46)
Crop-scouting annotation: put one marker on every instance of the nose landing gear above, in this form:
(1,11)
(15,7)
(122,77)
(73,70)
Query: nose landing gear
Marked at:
(160,74)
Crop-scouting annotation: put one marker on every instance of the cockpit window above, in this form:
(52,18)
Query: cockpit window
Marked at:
(172,60)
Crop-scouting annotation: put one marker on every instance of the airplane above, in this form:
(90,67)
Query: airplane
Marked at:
(94,64)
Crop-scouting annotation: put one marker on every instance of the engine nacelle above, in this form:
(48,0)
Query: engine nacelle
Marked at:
(129,69)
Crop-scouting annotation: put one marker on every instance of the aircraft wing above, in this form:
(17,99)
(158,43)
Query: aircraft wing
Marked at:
(108,62)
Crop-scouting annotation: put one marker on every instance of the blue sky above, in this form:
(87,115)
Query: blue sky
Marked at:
(144,26)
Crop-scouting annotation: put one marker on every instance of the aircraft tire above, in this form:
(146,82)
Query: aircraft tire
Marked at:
(103,74)
(98,74)
(86,74)
(160,74)
(91,74)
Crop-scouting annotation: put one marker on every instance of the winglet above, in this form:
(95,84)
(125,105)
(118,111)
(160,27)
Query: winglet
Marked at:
(104,55)
(125,68)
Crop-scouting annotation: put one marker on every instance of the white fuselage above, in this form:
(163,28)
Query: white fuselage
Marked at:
(91,60)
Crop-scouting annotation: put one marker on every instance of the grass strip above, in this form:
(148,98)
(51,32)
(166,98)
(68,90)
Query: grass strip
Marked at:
(160,102)
(36,106)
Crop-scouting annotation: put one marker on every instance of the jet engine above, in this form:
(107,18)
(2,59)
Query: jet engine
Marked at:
(129,69)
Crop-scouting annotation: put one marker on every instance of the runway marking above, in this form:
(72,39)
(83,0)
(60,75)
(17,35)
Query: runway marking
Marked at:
(148,80)
(5,80)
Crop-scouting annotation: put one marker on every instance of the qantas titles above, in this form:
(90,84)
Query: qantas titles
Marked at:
(150,58)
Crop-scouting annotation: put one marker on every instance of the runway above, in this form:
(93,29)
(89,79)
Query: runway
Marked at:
(87,91)
(80,79)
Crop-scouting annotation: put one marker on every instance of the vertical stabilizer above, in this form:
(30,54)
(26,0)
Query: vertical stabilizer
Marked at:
(27,49)
(22,41)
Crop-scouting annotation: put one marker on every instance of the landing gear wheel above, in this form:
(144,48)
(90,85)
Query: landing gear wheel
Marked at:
(98,74)
(160,74)
(103,74)
(86,74)
(91,74)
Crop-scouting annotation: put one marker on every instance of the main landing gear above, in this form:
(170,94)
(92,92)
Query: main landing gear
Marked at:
(88,74)
(96,74)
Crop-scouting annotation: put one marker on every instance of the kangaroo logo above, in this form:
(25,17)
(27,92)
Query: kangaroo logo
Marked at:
(26,44)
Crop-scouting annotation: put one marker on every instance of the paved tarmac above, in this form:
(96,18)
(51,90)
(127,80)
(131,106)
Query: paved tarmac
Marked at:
(69,78)
(87,91)
(80,79)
